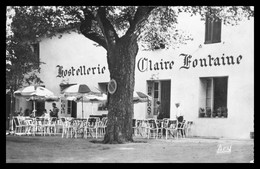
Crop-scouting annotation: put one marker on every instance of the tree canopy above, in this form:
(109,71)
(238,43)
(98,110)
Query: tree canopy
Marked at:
(152,26)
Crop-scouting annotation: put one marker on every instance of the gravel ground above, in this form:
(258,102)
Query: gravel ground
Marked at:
(54,149)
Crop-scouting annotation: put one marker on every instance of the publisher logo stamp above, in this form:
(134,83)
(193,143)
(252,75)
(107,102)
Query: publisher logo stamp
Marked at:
(224,148)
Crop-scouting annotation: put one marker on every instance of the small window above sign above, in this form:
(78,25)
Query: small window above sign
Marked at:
(112,86)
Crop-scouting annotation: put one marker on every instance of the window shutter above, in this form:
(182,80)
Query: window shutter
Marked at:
(217,31)
(208,30)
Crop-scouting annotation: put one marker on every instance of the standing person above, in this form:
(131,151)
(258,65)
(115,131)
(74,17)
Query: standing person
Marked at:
(179,115)
(54,112)
(159,110)
(179,112)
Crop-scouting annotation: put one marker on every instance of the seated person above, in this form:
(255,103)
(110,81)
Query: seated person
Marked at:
(32,113)
(179,116)
(17,113)
(45,114)
(26,112)
(21,113)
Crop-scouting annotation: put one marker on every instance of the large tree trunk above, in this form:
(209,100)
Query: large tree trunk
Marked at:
(121,62)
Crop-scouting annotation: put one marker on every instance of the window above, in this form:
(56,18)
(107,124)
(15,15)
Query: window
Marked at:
(213,97)
(103,88)
(72,108)
(156,90)
(213,30)
(69,108)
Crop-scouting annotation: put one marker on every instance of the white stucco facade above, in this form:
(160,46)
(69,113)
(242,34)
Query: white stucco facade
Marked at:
(90,64)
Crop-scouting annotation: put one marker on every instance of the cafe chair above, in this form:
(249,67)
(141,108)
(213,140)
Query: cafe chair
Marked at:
(159,124)
(32,126)
(188,128)
(40,126)
(50,126)
(144,128)
(152,129)
(171,128)
(66,127)
(102,127)
(91,129)
(62,123)
(181,129)
(20,127)
(164,125)
(45,126)
(77,127)
(137,130)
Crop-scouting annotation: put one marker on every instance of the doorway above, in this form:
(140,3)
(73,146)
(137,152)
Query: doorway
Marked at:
(165,97)
(159,90)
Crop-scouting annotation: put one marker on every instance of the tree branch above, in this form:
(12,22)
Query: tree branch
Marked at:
(106,27)
(141,15)
(85,29)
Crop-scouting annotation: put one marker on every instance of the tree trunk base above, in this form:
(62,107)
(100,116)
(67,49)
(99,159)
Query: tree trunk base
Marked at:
(117,141)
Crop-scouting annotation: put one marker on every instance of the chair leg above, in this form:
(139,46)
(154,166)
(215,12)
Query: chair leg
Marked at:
(68,132)
(54,130)
(62,134)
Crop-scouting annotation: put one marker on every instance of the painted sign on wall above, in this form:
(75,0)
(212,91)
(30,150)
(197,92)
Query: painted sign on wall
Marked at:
(80,71)
(145,64)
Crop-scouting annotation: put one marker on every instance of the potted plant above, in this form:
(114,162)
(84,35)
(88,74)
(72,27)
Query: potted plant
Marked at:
(224,111)
(219,112)
(208,112)
(201,112)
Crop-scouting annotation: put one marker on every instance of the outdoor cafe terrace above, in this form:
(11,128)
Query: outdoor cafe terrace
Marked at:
(95,127)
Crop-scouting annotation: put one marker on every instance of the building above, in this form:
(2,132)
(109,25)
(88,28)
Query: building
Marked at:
(215,70)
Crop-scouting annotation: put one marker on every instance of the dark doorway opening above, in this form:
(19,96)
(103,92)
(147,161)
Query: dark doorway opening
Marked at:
(165,97)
